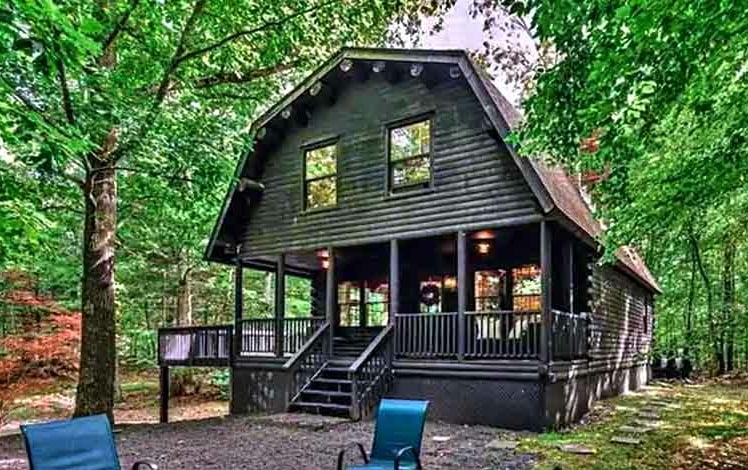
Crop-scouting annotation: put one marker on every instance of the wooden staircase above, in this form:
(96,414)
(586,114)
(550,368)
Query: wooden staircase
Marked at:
(337,388)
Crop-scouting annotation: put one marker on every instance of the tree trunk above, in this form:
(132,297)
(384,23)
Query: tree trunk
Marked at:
(95,392)
(709,300)
(728,304)
(184,300)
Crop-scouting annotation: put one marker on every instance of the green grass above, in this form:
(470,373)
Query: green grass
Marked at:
(704,421)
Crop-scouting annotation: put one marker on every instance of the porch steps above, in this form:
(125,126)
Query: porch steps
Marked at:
(330,391)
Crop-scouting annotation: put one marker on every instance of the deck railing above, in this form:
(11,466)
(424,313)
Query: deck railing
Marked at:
(296,331)
(424,335)
(195,345)
(258,334)
(504,334)
(498,334)
(569,334)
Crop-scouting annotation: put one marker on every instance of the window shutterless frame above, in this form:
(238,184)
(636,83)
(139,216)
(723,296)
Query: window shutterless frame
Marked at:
(310,147)
(390,188)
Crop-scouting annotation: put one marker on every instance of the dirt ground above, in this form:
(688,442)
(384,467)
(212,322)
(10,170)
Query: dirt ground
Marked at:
(259,443)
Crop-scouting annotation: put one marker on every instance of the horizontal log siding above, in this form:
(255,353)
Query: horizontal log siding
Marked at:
(475,179)
(618,334)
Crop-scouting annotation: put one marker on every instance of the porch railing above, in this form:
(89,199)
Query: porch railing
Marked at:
(195,345)
(424,335)
(570,334)
(258,334)
(506,334)
(308,361)
(371,373)
(296,331)
(498,334)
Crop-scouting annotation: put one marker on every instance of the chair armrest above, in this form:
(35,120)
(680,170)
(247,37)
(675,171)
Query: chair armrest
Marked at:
(402,452)
(148,464)
(341,455)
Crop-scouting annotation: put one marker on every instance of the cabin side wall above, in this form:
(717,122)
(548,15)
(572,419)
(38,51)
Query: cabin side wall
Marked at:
(475,180)
(620,341)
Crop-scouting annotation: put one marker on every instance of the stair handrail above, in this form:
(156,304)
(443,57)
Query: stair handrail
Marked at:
(371,373)
(314,354)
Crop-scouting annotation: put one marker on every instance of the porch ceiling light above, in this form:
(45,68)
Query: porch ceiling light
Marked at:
(484,235)
(324,258)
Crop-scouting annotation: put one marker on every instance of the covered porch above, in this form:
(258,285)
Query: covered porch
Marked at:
(518,292)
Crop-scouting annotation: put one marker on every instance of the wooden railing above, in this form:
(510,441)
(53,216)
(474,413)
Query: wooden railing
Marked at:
(195,345)
(308,361)
(256,336)
(500,334)
(569,334)
(423,335)
(296,331)
(503,334)
(371,373)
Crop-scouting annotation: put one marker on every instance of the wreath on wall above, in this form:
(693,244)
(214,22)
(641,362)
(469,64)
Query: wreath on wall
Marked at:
(430,294)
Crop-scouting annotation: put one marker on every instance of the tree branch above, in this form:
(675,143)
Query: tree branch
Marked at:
(119,27)
(67,103)
(34,108)
(222,78)
(249,32)
(176,58)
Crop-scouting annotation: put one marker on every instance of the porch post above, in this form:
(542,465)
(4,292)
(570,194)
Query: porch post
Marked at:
(570,273)
(546,332)
(330,293)
(461,292)
(280,303)
(163,416)
(238,308)
(394,280)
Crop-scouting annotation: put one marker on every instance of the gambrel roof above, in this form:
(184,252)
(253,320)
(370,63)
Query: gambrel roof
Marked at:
(554,190)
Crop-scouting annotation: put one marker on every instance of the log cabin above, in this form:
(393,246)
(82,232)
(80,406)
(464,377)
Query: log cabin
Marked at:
(442,264)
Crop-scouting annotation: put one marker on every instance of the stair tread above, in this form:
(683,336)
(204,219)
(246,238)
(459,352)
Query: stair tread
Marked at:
(332,393)
(314,404)
(331,381)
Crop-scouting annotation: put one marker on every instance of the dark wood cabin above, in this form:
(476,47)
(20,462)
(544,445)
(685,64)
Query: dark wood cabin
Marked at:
(441,264)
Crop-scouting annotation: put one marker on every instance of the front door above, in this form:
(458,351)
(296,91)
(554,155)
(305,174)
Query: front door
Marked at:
(363,303)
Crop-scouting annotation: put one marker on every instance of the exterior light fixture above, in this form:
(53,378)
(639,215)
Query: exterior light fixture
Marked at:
(324,258)
(483,248)
(346,65)
(416,69)
(378,66)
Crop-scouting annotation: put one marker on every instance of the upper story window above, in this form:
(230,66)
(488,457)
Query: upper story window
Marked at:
(320,177)
(410,155)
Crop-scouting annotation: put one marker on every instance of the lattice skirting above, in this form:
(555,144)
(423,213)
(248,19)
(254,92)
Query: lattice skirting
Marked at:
(256,390)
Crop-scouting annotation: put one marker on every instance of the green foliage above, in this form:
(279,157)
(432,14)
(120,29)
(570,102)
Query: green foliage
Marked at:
(165,92)
(653,94)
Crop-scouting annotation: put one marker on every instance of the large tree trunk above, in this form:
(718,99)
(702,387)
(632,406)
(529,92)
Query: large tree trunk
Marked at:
(98,355)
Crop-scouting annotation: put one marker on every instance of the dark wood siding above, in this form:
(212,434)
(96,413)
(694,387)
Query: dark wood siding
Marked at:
(475,180)
(620,308)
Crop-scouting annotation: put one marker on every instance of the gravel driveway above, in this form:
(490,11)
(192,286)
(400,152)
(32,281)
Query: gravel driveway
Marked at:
(283,442)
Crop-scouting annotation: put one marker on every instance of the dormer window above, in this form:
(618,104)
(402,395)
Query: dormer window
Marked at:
(320,177)
(410,155)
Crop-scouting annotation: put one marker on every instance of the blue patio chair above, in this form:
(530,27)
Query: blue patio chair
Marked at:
(397,437)
(72,444)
